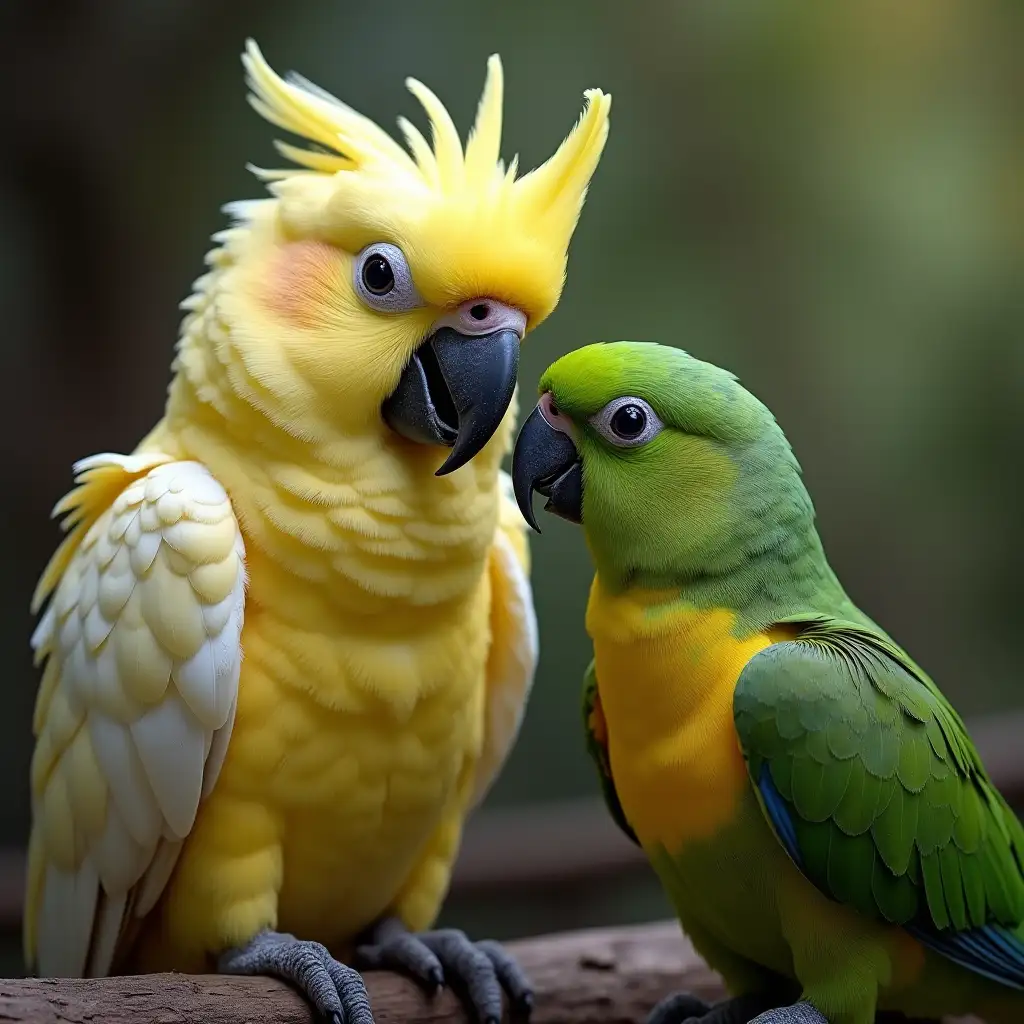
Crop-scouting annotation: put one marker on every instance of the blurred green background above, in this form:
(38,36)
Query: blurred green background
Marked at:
(826,198)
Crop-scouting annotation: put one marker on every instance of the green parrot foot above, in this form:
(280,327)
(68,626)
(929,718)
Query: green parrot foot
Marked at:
(798,1013)
(683,1008)
(336,992)
(678,1008)
(478,971)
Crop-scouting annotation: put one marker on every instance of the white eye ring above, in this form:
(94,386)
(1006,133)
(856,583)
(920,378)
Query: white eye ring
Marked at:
(383,280)
(618,429)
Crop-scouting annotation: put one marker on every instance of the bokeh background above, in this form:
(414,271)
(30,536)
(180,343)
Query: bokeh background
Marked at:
(826,198)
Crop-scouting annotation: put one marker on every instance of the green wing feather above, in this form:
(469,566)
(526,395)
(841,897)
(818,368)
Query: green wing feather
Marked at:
(598,750)
(869,779)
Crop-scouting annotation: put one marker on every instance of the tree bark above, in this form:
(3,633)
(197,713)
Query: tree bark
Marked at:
(609,976)
(606,976)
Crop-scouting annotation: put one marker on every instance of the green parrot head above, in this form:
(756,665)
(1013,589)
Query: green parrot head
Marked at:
(672,467)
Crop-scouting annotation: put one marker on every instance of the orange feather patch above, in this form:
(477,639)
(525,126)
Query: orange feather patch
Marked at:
(306,282)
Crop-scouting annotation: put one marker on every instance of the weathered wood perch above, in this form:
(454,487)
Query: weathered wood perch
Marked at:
(604,976)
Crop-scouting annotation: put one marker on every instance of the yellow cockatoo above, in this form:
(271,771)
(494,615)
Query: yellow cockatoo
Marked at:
(212,792)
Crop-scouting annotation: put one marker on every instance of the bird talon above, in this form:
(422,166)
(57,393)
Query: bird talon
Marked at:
(798,1013)
(684,1008)
(401,951)
(479,971)
(678,1008)
(336,991)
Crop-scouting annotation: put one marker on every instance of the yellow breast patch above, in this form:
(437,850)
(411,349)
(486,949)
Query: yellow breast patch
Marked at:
(666,674)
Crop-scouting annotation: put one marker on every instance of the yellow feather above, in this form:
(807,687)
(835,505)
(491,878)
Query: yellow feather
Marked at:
(483,148)
(100,481)
(35,871)
(554,192)
(140,675)
(214,580)
(390,641)
(323,163)
(486,229)
(47,688)
(447,147)
(421,151)
(671,740)
(306,110)
(86,786)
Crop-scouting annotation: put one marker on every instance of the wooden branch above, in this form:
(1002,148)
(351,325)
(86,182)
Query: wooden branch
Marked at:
(596,976)
(606,976)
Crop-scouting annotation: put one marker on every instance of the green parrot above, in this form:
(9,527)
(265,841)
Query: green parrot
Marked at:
(812,804)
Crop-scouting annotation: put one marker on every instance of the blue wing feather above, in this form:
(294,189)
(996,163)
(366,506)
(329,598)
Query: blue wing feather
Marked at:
(992,951)
(775,807)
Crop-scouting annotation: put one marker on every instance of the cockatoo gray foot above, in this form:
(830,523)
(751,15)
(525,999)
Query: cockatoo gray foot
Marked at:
(336,991)
(477,971)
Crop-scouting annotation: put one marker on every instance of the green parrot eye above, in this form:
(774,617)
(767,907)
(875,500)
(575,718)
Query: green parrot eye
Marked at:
(627,422)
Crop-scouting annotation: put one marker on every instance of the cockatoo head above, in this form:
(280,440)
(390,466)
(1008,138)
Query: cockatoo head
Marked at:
(384,290)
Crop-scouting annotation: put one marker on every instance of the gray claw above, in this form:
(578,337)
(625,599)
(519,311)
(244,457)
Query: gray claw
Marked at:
(469,969)
(403,952)
(511,976)
(678,1008)
(683,1008)
(336,991)
(798,1013)
(478,970)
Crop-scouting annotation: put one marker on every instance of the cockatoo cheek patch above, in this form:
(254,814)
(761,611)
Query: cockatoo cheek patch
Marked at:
(306,283)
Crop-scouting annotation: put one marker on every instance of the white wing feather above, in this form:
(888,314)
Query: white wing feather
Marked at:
(141,641)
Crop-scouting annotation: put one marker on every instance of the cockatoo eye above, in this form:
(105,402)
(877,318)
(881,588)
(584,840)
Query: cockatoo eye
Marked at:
(378,276)
(383,279)
(627,422)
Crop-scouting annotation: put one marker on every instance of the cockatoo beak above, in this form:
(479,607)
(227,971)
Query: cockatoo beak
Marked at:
(459,383)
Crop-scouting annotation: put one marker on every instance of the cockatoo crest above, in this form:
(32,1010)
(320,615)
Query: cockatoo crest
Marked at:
(360,186)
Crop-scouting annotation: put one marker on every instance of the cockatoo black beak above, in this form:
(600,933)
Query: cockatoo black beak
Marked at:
(459,383)
(546,460)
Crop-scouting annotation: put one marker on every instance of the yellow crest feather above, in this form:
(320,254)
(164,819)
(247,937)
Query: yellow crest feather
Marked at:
(357,144)
(483,147)
(303,109)
(467,224)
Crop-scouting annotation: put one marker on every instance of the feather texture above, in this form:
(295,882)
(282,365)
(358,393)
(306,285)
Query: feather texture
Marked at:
(460,215)
(356,144)
(512,660)
(596,732)
(141,643)
(850,841)
(874,789)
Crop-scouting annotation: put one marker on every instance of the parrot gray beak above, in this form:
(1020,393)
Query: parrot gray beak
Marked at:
(459,383)
(545,460)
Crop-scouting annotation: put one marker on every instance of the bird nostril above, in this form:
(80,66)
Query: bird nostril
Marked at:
(480,311)
(549,410)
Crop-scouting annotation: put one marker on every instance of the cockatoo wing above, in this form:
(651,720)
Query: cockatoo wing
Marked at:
(141,646)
